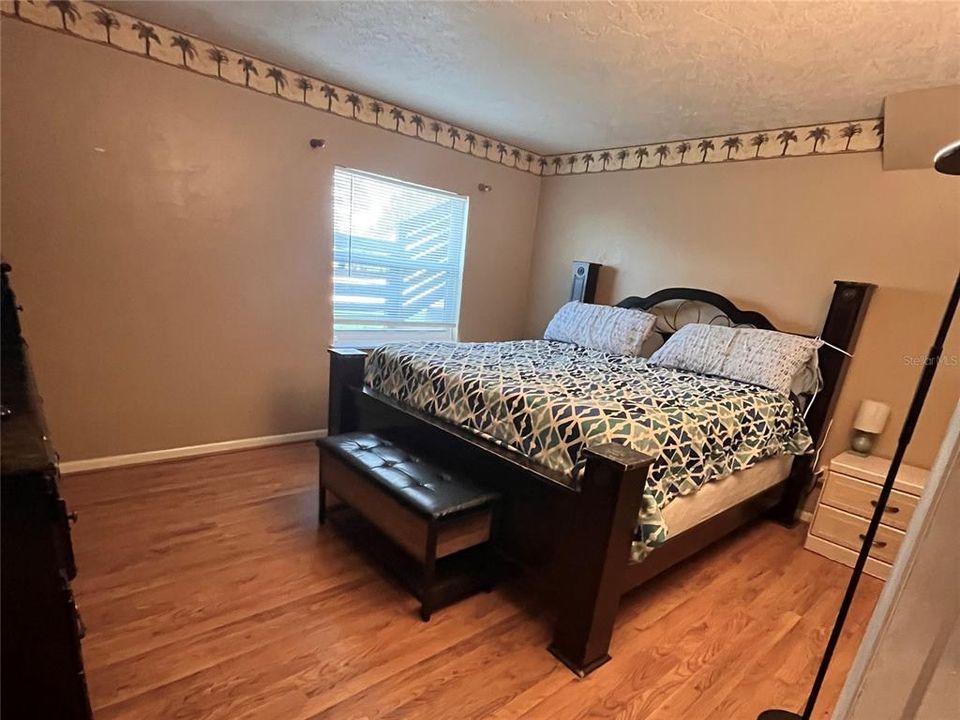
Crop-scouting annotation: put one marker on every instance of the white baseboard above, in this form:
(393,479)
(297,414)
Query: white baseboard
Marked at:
(152,456)
(806,516)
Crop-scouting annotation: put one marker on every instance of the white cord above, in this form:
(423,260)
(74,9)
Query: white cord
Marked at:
(806,410)
(816,455)
(834,347)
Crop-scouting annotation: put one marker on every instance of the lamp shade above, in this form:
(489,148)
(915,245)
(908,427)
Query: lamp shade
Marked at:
(872,416)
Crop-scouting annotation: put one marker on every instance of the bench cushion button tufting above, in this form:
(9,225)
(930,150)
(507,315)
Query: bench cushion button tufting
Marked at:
(415,482)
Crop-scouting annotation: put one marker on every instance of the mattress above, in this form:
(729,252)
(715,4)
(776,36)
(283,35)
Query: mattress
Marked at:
(688,511)
(550,400)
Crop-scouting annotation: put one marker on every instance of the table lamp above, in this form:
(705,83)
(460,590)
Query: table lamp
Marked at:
(870,421)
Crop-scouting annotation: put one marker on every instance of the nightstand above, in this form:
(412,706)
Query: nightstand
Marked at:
(846,505)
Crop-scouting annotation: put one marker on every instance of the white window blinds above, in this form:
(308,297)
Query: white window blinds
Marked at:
(397,260)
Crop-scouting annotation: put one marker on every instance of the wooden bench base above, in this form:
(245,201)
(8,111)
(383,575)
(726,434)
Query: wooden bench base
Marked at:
(456,576)
(439,559)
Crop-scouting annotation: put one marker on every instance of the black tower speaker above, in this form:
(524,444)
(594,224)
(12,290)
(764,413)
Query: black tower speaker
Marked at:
(584,281)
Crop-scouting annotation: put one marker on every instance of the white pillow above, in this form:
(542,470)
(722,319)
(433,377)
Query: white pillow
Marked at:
(766,358)
(808,379)
(614,330)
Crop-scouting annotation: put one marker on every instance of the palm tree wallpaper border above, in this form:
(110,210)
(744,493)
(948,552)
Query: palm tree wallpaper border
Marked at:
(115,29)
(838,138)
(120,31)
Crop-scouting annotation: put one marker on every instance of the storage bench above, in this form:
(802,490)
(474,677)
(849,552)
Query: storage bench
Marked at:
(434,516)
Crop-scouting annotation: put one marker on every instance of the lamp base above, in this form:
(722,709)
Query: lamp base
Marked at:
(778,715)
(862,443)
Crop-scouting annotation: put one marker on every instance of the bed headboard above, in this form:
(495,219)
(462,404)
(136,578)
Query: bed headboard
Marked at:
(676,307)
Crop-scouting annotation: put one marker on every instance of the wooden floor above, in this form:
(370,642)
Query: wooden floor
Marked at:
(209,592)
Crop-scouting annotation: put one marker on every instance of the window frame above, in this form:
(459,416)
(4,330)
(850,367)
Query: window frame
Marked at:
(404,332)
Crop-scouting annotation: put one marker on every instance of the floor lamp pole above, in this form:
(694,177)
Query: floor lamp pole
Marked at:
(923,387)
(947,162)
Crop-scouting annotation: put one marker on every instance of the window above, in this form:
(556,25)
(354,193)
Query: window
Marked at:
(397,260)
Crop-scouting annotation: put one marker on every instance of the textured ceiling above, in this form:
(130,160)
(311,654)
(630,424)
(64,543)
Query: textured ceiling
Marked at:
(561,76)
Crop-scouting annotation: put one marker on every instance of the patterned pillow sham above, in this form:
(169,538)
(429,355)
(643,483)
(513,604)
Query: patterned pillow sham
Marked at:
(766,358)
(613,330)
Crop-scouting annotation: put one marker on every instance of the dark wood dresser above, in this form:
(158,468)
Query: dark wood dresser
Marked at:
(40,628)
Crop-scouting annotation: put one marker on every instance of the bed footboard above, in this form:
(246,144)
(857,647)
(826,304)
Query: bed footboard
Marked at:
(596,538)
(595,552)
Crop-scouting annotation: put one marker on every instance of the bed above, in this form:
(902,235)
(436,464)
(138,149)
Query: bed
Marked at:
(614,470)
(548,400)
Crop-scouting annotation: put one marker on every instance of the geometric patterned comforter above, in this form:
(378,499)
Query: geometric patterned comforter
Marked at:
(548,400)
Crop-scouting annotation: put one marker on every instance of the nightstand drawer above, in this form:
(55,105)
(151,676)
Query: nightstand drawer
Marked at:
(845,529)
(848,557)
(859,498)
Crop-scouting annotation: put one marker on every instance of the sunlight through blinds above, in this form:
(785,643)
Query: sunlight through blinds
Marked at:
(397,260)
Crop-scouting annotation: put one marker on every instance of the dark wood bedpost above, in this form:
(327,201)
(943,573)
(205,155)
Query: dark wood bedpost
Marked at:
(594,554)
(346,372)
(841,329)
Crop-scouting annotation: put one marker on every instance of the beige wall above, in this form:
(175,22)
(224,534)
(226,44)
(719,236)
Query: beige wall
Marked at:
(918,124)
(170,237)
(143,205)
(773,235)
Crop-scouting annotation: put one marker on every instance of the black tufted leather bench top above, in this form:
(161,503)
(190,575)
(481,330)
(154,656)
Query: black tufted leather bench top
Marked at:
(416,483)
